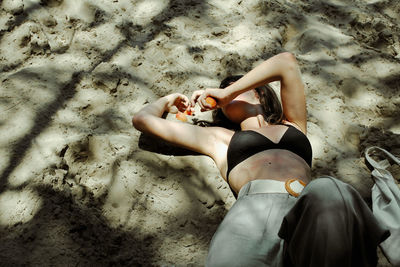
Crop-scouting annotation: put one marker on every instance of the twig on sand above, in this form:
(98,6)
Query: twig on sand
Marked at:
(13,106)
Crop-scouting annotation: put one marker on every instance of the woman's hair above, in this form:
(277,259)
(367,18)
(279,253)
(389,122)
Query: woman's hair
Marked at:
(269,101)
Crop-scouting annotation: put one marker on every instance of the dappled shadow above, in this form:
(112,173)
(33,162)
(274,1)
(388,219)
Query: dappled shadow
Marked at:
(157,145)
(377,136)
(392,82)
(84,234)
(347,162)
(44,117)
(371,38)
(42,120)
(139,35)
(71,226)
(20,16)
(188,174)
(195,177)
(72,233)
(133,36)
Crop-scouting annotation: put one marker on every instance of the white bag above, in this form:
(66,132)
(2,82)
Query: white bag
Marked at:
(386,204)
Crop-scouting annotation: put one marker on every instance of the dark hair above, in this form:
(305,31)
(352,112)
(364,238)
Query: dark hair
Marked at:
(270,103)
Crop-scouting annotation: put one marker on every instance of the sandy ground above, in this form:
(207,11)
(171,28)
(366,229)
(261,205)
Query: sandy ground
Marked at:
(80,187)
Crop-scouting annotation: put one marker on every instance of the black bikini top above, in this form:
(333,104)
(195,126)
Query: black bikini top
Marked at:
(245,144)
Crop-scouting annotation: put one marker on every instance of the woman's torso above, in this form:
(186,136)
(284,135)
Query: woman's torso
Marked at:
(276,162)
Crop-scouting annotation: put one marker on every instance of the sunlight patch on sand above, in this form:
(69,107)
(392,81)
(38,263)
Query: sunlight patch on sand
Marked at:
(68,117)
(16,126)
(146,10)
(346,51)
(43,153)
(316,37)
(12,5)
(330,115)
(126,57)
(18,206)
(224,5)
(241,39)
(365,100)
(29,3)
(78,9)
(316,137)
(395,128)
(329,119)
(377,68)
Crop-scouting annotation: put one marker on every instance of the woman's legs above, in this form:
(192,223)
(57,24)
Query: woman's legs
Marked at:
(248,235)
(330,225)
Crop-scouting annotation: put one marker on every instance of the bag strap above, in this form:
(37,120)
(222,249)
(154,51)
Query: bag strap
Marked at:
(375,164)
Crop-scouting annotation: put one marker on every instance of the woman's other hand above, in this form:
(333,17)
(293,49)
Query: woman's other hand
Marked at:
(177,102)
(218,94)
(195,97)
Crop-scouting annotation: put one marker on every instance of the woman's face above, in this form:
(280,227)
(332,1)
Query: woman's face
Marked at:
(242,107)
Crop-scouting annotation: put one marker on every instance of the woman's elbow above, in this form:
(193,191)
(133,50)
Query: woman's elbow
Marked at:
(288,58)
(287,63)
(138,121)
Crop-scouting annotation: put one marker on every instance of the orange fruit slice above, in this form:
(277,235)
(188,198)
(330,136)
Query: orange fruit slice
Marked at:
(181,116)
(211,101)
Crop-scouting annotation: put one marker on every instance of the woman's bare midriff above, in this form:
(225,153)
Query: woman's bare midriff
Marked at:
(273,164)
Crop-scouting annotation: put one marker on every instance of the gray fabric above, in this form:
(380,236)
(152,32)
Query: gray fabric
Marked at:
(248,235)
(328,225)
(386,203)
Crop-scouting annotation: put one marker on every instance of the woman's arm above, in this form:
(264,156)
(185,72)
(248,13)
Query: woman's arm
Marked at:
(207,141)
(170,103)
(282,67)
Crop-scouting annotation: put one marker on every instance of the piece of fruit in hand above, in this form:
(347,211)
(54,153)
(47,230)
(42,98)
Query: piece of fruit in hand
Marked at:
(211,101)
(188,112)
(181,116)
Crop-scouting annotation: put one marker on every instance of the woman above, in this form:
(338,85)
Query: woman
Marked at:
(267,163)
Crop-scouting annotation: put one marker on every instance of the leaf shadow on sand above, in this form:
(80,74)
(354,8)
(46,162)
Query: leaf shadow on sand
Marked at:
(79,233)
(89,239)
(93,239)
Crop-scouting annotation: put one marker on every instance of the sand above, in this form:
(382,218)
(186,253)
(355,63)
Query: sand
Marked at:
(81,187)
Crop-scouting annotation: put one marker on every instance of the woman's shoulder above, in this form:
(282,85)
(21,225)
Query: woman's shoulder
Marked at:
(221,134)
(285,122)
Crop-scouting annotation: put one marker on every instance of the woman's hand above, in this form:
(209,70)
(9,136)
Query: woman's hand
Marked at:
(218,94)
(177,102)
(195,96)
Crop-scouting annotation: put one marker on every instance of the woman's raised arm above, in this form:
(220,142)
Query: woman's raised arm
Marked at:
(282,67)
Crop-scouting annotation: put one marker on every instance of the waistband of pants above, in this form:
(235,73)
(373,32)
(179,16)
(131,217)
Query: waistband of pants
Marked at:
(291,186)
